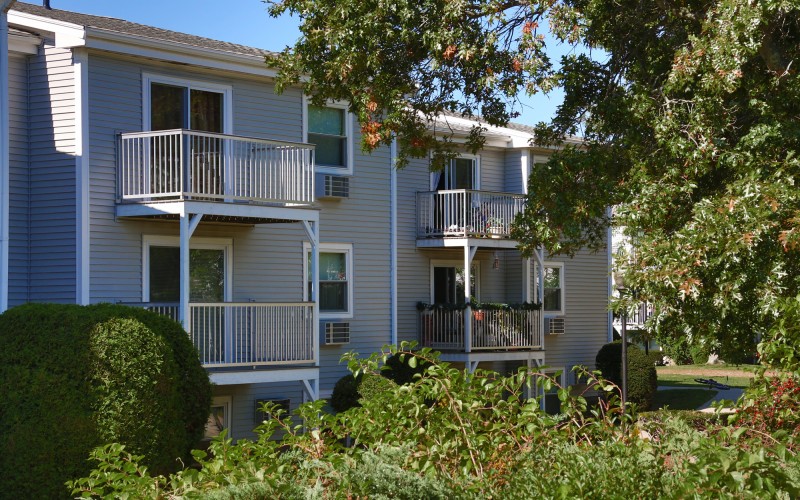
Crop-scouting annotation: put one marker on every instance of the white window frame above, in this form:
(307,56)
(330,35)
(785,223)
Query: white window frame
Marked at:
(476,171)
(224,244)
(225,90)
(562,311)
(348,130)
(347,249)
(456,263)
(226,403)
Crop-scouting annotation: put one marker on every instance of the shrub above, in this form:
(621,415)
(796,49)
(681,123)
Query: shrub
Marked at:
(350,390)
(345,393)
(642,377)
(374,386)
(772,404)
(398,369)
(75,377)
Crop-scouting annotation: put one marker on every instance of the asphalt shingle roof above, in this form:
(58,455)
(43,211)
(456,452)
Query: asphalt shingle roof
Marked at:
(115,25)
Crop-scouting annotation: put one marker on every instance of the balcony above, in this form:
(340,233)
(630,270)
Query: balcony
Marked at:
(247,334)
(465,213)
(186,165)
(442,327)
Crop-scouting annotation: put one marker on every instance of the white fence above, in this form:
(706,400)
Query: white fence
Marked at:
(186,164)
(443,328)
(248,333)
(467,213)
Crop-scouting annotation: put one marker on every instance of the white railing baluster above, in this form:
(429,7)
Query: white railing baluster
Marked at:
(170,164)
(464,212)
(443,328)
(247,333)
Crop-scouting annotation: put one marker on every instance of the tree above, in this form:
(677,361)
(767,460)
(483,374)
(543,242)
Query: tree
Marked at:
(689,110)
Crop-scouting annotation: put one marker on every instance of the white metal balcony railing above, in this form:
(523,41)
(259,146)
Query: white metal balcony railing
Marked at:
(247,333)
(185,164)
(467,213)
(443,328)
(637,316)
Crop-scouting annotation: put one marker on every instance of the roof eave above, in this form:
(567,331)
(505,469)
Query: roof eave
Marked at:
(69,35)
(134,45)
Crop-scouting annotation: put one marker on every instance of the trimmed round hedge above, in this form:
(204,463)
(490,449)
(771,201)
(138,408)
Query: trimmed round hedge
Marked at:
(396,371)
(75,377)
(642,376)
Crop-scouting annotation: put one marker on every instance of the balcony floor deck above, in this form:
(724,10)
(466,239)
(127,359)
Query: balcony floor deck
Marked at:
(461,242)
(222,212)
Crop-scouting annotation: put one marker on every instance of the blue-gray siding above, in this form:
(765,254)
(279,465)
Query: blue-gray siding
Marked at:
(18,178)
(51,136)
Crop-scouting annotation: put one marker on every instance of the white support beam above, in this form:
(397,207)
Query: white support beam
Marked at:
(5,207)
(188,224)
(469,254)
(185,236)
(312,388)
(263,376)
(194,222)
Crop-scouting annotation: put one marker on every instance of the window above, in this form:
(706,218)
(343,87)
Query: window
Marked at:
(209,269)
(335,274)
(172,103)
(448,280)
(219,418)
(329,129)
(553,297)
(461,173)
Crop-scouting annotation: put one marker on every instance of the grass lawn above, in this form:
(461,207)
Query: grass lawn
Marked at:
(684,375)
(682,399)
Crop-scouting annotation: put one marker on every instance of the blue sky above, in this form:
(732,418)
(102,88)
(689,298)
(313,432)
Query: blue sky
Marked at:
(239,21)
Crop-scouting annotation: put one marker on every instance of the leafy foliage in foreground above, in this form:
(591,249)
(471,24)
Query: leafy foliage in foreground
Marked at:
(453,435)
(75,377)
(689,114)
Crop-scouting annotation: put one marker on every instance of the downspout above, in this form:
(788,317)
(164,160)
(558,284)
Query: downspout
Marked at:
(5,6)
(393,241)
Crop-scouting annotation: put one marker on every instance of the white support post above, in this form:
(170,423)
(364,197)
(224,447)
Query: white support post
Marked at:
(5,207)
(185,236)
(188,224)
(469,254)
(312,231)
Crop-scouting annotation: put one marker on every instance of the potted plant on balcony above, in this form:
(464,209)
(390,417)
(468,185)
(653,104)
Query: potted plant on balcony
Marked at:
(494,227)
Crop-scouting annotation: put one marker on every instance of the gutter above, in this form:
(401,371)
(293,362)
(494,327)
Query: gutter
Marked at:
(5,5)
(393,242)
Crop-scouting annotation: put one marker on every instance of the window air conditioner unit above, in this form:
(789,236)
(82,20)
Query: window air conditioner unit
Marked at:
(334,333)
(330,186)
(554,326)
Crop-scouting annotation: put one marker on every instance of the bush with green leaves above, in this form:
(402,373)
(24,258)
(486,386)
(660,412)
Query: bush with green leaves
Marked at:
(481,438)
(396,369)
(642,376)
(350,390)
(76,377)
